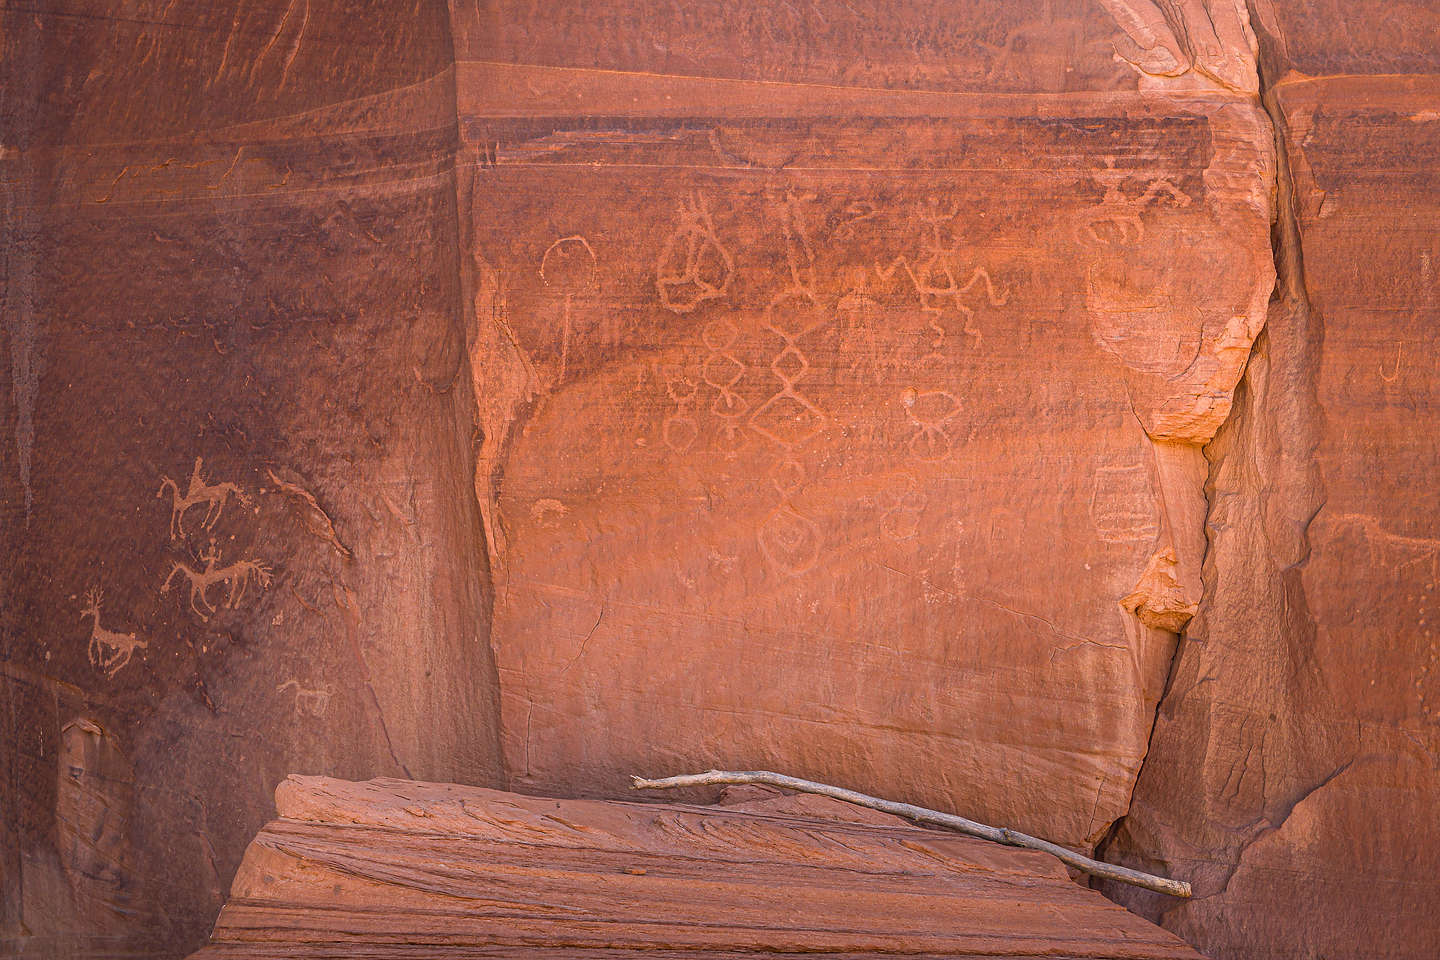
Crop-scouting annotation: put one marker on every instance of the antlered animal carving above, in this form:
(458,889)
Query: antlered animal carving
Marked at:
(109,651)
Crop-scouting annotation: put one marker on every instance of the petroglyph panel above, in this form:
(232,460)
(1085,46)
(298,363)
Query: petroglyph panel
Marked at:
(860,361)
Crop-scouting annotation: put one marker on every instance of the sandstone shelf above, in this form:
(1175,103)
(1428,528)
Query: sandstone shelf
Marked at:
(401,869)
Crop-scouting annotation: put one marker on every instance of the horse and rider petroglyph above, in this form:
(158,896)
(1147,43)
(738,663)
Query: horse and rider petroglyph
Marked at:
(212,495)
(236,576)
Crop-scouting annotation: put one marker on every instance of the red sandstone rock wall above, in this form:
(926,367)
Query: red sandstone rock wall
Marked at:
(829,387)
(230,280)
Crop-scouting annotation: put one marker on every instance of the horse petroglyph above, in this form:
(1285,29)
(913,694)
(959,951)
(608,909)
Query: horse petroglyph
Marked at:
(212,495)
(236,576)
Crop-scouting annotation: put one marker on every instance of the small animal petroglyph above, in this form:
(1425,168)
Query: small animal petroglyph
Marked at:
(693,266)
(213,495)
(307,701)
(236,576)
(109,651)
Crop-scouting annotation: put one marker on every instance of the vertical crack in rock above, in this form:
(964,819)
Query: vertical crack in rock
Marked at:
(1227,762)
(1201,57)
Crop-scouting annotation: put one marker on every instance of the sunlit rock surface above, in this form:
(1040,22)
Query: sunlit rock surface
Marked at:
(394,868)
(1295,768)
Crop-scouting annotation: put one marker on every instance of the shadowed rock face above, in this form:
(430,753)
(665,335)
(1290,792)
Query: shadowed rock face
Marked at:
(491,391)
(230,280)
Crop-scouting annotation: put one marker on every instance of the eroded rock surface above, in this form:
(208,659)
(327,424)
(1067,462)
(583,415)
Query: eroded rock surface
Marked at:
(849,389)
(394,868)
(1295,768)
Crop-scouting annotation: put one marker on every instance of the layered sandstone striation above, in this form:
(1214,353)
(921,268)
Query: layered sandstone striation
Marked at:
(395,868)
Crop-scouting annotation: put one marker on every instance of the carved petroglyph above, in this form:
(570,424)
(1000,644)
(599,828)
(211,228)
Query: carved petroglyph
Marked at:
(790,540)
(722,371)
(236,576)
(935,276)
(568,264)
(212,495)
(680,428)
(789,418)
(309,702)
(1116,222)
(109,651)
(694,265)
(1410,559)
(930,412)
(1043,52)
(902,520)
(1137,309)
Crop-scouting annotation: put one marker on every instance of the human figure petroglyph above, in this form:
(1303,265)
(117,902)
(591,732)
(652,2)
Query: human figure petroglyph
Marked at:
(694,265)
(935,277)
(212,495)
(572,270)
(236,576)
(108,651)
(1116,220)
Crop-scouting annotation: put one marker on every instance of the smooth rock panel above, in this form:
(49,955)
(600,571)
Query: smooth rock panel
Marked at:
(846,430)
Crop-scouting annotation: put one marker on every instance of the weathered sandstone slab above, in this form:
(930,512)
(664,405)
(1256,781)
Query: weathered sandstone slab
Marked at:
(394,868)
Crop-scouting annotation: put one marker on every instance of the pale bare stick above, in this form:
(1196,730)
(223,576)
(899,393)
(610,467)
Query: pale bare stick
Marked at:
(1012,838)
